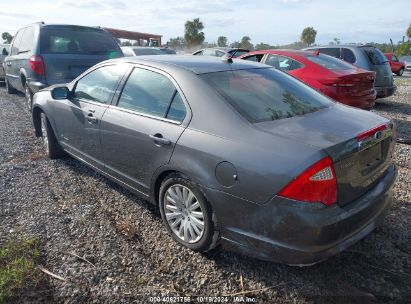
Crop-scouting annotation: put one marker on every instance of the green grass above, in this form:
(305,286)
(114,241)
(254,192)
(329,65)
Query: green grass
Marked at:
(18,262)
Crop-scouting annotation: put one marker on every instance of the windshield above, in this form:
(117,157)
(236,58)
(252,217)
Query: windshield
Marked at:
(78,40)
(141,52)
(266,94)
(329,62)
(375,55)
(407,58)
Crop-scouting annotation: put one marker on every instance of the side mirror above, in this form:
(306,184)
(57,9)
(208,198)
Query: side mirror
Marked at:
(5,53)
(60,93)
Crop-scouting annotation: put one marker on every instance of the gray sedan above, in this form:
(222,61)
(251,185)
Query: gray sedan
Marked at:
(234,153)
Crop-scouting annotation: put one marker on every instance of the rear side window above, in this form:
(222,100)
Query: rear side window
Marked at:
(255,58)
(209,53)
(348,55)
(77,40)
(283,63)
(330,63)
(265,94)
(335,52)
(375,56)
(100,84)
(151,93)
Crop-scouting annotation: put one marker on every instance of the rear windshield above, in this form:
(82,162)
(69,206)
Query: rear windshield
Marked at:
(375,55)
(329,62)
(76,40)
(141,52)
(266,94)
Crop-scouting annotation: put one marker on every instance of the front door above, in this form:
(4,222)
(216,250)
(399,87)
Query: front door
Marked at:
(138,135)
(80,116)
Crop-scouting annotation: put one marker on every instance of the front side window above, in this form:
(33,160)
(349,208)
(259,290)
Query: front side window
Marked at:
(265,94)
(394,58)
(100,84)
(27,40)
(14,49)
(151,93)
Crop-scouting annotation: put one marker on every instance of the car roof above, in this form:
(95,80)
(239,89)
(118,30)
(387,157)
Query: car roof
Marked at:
(195,64)
(335,46)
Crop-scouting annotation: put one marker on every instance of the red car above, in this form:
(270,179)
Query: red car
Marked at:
(335,78)
(397,67)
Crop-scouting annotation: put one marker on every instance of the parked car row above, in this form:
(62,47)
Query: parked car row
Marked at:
(141,51)
(4,48)
(233,152)
(335,78)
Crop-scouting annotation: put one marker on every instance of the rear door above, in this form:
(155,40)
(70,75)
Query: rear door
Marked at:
(70,50)
(78,119)
(138,135)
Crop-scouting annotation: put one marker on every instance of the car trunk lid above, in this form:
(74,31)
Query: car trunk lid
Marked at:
(352,82)
(359,162)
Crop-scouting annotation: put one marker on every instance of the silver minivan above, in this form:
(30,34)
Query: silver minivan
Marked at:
(367,57)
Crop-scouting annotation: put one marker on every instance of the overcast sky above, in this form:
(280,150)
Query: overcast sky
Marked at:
(269,21)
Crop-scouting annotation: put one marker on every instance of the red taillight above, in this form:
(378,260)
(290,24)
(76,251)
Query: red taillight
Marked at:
(37,64)
(316,184)
(371,132)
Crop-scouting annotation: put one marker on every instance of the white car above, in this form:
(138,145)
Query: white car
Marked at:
(407,61)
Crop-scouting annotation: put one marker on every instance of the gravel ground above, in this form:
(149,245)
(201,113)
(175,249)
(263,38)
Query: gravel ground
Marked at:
(73,210)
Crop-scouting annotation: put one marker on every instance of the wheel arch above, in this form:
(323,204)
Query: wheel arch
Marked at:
(36,116)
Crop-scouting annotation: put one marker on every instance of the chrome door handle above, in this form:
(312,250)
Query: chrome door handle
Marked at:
(91,118)
(158,138)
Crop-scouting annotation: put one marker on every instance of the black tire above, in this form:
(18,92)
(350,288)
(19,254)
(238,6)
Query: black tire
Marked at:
(50,143)
(9,88)
(29,96)
(210,235)
(400,72)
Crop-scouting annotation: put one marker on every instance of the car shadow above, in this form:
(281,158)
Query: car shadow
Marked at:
(350,276)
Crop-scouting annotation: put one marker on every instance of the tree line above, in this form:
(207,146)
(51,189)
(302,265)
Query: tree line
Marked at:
(194,37)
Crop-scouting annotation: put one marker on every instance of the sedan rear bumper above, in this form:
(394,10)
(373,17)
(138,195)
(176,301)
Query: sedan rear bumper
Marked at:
(298,233)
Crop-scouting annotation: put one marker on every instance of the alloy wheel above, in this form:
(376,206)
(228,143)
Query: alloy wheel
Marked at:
(183,213)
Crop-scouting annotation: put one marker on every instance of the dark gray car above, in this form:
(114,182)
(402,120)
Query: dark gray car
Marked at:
(367,57)
(46,54)
(237,154)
